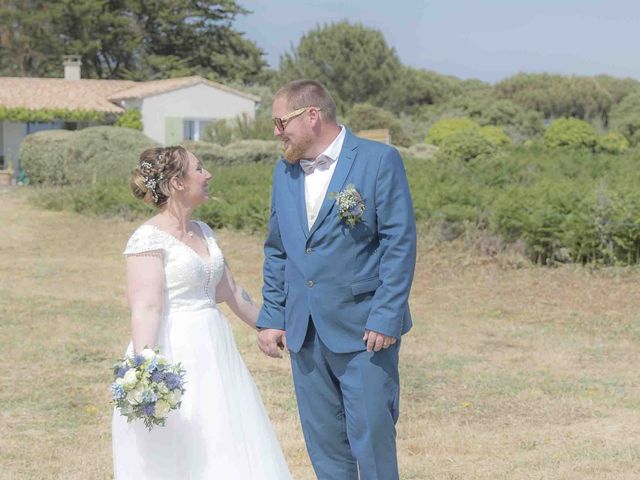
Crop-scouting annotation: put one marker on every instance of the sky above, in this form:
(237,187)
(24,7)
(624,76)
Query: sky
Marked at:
(484,39)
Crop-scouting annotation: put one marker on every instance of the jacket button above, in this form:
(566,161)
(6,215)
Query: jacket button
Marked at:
(308,250)
(310,283)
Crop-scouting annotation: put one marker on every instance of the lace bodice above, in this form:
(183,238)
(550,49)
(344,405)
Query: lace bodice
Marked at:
(190,280)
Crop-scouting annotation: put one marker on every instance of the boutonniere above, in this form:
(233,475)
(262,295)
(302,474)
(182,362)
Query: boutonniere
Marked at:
(350,205)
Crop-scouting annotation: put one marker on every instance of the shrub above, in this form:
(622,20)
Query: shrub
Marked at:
(466,145)
(84,156)
(421,151)
(108,199)
(104,153)
(243,127)
(220,132)
(564,204)
(42,156)
(130,119)
(496,136)
(571,133)
(243,151)
(447,127)
(625,117)
(613,142)
(364,116)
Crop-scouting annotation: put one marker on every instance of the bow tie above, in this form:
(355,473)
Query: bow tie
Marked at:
(322,162)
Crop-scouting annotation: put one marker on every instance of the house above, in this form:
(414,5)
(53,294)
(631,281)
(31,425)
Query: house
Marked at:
(172,110)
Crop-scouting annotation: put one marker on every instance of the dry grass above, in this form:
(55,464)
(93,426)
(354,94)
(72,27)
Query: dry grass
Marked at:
(511,372)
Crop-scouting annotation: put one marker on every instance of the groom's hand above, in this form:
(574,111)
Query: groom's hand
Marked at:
(272,341)
(377,341)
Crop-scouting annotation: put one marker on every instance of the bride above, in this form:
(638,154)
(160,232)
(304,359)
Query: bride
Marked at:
(176,274)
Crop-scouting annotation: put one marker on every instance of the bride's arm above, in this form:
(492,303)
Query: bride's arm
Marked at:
(237,298)
(145,284)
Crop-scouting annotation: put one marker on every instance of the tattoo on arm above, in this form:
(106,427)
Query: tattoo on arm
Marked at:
(246,297)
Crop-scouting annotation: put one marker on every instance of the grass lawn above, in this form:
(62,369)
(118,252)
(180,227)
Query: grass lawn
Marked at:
(511,371)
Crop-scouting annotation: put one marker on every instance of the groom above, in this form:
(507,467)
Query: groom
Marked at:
(337,275)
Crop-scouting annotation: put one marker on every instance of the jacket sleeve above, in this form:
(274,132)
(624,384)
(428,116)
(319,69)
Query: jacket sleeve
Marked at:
(273,295)
(397,237)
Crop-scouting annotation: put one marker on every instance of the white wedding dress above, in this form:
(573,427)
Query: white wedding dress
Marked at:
(222,430)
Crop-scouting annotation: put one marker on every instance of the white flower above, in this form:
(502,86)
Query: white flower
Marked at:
(174,397)
(148,354)
(131,397)
(162,409)
(130,379)
(139,394)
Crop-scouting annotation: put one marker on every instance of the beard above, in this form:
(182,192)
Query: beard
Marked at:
(295,151)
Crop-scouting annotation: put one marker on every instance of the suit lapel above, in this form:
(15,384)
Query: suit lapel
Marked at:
(343,167)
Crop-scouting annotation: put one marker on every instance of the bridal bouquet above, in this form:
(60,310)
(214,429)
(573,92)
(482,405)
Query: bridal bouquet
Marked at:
(147,386)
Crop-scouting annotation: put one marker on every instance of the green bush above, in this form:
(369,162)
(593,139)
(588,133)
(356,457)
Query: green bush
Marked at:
(421,151)
(625,117)
(564,204)
(243,127)
(130,119)
(495,135)
(243,151)
(364,116)
(108,199)
(447,127)
(483,108)
(466,145)
(42,156)
(104,153)
(82,157)
(570,133)
(613,142)
(240,198)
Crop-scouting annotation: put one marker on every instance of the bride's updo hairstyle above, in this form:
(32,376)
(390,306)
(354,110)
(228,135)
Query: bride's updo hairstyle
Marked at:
(156,167)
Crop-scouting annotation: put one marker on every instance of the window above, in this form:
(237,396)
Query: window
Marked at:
(194,129)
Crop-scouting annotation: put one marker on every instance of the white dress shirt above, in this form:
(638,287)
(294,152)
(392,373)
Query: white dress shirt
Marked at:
(317,182)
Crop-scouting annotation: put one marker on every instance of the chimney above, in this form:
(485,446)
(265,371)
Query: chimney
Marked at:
(72,65)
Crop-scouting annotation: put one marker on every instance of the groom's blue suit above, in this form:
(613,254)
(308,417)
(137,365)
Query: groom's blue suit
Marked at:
(325,286)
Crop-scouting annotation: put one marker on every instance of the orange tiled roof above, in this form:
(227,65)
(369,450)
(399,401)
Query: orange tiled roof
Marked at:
(156,87)
(96,95)
(39,93)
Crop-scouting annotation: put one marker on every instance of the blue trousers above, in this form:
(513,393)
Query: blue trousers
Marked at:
(348,405)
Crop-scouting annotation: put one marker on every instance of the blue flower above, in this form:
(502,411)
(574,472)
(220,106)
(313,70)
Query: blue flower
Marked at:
(149,409)
(117,391)
(355,210)
(149,397)
(157,376)
(121,371)
(153,364)
(138,360)
(172,380)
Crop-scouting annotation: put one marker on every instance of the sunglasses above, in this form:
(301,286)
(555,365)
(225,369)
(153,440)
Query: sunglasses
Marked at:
(281,122)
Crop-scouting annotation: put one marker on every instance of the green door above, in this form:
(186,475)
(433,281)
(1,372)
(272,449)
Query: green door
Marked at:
(173,129)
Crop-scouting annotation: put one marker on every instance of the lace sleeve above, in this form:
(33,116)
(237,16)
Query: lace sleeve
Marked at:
(145,241)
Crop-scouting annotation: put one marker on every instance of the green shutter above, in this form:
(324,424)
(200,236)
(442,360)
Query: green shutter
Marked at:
(173,130)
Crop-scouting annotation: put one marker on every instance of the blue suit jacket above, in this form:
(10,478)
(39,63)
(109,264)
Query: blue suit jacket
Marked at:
(347,279)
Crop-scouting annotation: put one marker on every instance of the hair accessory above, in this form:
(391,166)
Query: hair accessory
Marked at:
(149,181)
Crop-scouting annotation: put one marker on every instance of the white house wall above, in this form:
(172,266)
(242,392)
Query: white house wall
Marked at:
(198,102)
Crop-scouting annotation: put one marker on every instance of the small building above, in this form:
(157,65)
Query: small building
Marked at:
(172,110)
